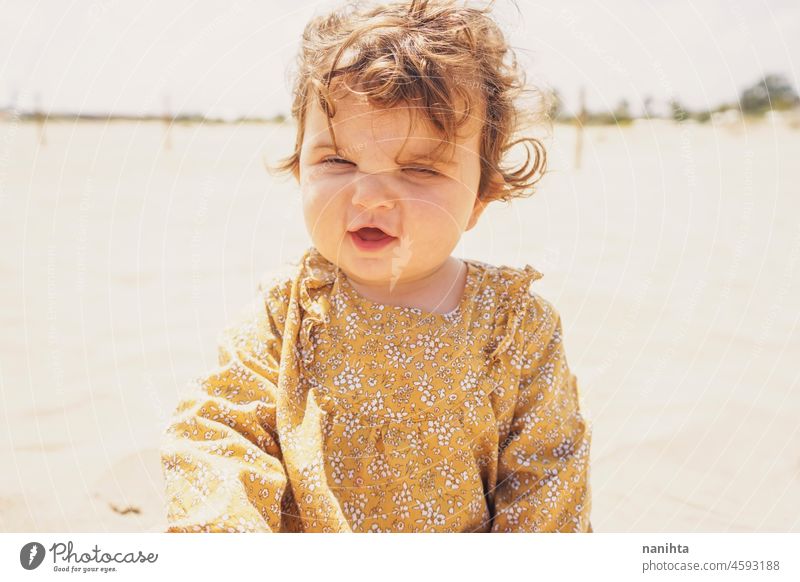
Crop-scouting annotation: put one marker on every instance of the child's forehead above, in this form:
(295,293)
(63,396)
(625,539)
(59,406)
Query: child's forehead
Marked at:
(356,117)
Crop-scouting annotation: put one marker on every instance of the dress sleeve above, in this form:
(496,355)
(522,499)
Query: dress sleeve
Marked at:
(220,454)
(543,464)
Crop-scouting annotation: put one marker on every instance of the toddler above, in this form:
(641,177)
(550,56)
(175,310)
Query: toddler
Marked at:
(386,385)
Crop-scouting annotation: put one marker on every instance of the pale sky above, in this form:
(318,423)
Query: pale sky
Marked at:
(230,58)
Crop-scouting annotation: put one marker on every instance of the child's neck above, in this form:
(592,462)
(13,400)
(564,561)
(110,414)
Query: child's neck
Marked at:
(437,292)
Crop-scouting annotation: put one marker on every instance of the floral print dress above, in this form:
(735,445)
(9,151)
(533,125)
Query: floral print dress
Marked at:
(332,413)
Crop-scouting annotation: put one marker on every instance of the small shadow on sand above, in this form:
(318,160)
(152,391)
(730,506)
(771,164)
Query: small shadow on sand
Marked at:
(124,510)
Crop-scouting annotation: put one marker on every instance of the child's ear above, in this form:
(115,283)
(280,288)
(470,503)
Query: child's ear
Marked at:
(483,198)
(477,210)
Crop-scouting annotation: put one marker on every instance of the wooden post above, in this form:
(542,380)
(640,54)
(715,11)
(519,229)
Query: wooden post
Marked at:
(581,121)
(39,115)
(168,119)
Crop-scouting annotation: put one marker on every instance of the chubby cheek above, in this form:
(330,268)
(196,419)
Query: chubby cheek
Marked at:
(435,224)
(322,210)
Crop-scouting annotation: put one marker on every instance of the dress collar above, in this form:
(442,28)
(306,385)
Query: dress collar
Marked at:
(317,273)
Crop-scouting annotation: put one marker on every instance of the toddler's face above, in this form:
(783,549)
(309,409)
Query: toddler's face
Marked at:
(421,206)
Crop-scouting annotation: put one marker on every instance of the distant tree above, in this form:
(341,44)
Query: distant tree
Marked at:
(622,113)
(702,116)
(555,105)
(771,92)
(678,111)
(647,107)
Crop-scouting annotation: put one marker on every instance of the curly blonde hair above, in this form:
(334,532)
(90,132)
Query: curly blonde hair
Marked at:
(437,55)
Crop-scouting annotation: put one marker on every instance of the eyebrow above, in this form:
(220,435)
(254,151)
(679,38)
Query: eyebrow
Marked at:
(419,158)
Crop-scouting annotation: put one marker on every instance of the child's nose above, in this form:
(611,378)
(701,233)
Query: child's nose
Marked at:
(371,191)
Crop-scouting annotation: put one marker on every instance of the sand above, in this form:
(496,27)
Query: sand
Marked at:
(672,255)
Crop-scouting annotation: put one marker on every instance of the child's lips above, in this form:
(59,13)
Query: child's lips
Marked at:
(371,228)
(370,238)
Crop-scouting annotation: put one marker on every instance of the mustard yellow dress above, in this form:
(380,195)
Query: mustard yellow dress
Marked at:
(332,413)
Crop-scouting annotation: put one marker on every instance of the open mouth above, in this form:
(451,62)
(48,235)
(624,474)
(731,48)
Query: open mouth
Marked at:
(371,234)
(371,238)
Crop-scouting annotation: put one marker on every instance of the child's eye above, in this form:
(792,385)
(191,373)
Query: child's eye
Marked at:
(422,171)
(336,161)
(416,170)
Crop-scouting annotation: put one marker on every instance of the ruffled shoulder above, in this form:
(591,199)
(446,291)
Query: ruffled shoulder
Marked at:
(510,288)
(516,280)
(290,302)
(315,270)
(305,296)
(299,279)
(315,278)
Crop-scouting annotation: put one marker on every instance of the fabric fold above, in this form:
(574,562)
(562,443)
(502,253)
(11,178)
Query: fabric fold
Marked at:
(514,304)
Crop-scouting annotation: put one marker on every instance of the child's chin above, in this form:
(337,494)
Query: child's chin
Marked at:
(370,270)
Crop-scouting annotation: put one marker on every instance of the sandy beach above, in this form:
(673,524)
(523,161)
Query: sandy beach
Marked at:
(672,254)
